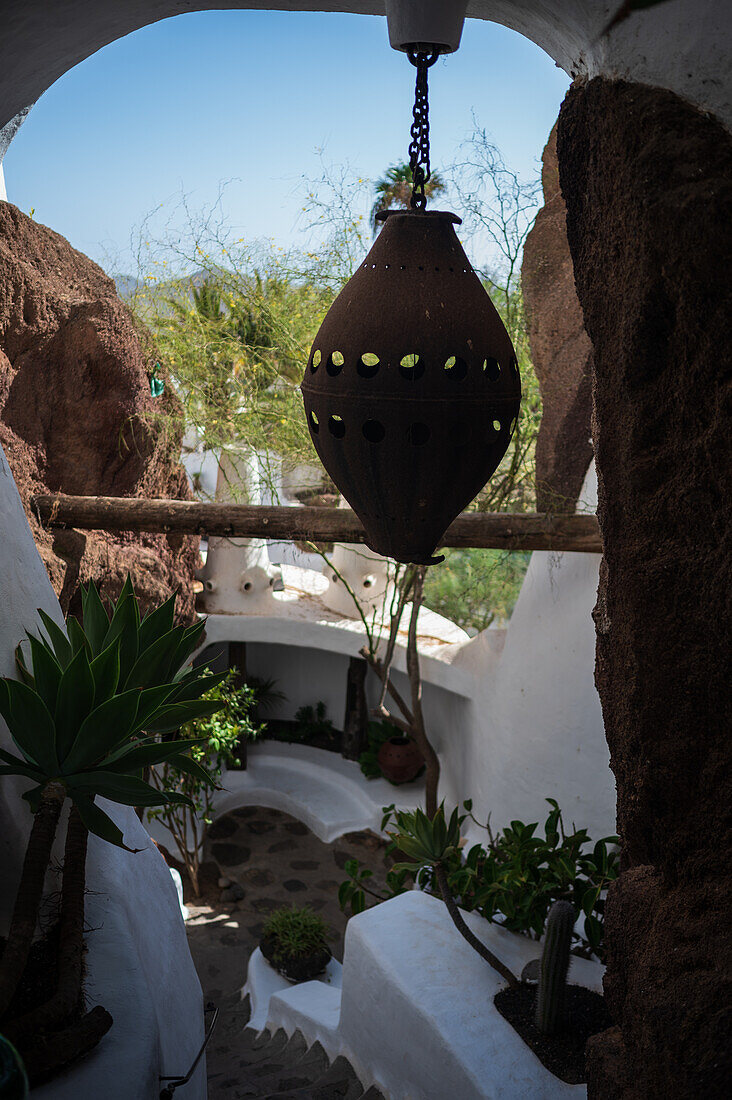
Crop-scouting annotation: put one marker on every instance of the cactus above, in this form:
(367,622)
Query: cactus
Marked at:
(554,966)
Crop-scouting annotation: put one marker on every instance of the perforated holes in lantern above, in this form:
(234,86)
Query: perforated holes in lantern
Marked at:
(335,363)
(315,361)
(456,368)
(373,431)
(492,369)
(314,422)
(418,434)
(411,367)
(368,364)
(496,425)
(336,427)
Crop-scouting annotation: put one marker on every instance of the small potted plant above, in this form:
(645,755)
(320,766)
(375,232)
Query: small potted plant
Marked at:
(400,759)
(391,754)
(295,942)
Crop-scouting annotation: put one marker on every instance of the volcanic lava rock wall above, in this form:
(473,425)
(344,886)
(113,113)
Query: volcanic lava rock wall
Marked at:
(560,349)
(77,415)
(647,180)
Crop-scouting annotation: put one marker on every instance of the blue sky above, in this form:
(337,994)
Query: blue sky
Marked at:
(251,97)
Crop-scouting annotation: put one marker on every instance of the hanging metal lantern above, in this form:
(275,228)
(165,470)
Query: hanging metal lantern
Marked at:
(412,387)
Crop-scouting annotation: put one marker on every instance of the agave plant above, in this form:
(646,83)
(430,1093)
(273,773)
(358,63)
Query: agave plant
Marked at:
(430,842)
(83,716)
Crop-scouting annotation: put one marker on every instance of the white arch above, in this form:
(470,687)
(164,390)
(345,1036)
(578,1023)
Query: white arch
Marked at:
(683,45)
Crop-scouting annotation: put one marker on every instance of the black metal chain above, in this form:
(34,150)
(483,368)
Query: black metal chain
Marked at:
(419,147)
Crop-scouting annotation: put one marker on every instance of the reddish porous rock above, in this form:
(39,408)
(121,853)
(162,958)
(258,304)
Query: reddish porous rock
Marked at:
(77,415)
(647,180)
(560,349)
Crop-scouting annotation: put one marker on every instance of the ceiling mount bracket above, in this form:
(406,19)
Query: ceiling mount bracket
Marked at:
(425,26)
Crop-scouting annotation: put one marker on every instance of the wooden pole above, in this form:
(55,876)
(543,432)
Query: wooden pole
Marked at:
(495,530)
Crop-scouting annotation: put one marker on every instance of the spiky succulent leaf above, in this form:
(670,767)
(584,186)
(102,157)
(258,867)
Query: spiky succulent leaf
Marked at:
(31,725)
(148,753)
(157,623)
(59,642)
(189,766)
(47,672)
(76,634)
(74,701)
(177,714)
(105,670)
(128,790)
(102,731)
(155,665)
(124,625)
(196,684)
(94,618)
(99,823)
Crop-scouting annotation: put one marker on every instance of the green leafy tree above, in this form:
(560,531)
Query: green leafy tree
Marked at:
(215,740)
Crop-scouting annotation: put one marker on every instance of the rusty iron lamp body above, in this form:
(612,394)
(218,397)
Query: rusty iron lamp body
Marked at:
(412,388)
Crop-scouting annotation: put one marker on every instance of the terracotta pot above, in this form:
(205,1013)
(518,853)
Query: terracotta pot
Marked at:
(400,759)
(303,969)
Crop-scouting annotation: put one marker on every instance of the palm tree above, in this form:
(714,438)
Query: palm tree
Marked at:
(394,190)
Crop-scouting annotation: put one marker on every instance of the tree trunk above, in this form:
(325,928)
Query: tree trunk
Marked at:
(418,731)
(457,920)
(30,892)
(71,940)
(51,1054)
(238,660)
(356,721)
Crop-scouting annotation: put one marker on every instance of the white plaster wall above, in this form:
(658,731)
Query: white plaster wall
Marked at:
(305,675)
(139,965)
(683,45)
(535,728)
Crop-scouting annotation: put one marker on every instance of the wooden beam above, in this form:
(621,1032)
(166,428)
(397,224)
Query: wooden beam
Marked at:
(495,530)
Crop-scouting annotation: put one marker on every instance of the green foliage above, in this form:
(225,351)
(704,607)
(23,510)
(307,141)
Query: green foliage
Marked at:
(86,705)
(295,933)
(474,587)
(312,722)
(377,734)
(514,880)
(554,966)
(519,875)
(266,695)
(217,737)
(353,890)
(394,190)
(425,841)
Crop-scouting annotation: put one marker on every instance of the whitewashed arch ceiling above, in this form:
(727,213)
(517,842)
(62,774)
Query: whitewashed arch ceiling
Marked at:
(683,45)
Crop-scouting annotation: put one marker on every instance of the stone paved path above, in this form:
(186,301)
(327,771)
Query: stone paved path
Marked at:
(277,861)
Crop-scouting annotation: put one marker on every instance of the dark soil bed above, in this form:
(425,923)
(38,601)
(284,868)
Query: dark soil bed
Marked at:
(563,1054)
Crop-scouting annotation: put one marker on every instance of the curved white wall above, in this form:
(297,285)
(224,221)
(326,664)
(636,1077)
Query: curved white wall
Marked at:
(535,726)
(683,45)
(138,963)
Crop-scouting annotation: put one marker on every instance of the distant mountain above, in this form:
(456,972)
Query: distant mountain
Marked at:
(128,285)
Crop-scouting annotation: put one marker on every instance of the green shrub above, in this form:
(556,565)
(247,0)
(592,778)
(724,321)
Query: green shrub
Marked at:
(218,737)
(513,880)
(295,933)
(312,722)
